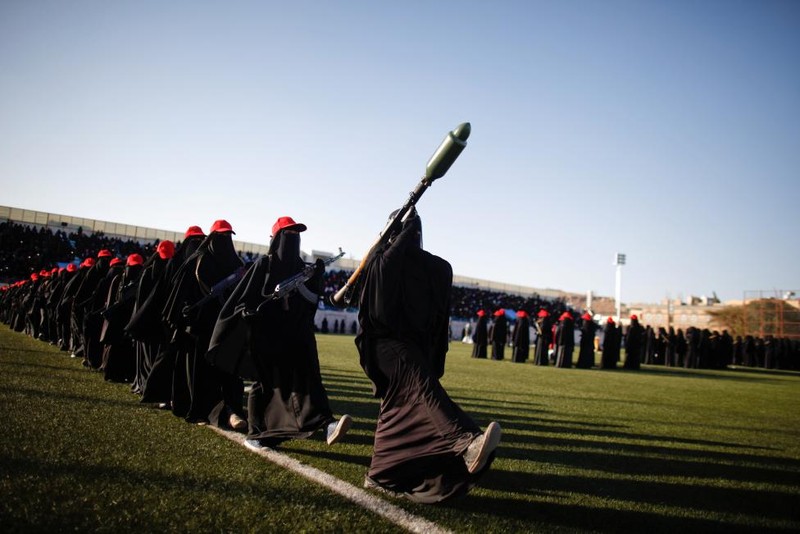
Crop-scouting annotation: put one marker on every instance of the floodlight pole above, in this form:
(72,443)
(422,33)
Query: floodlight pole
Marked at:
(619,261)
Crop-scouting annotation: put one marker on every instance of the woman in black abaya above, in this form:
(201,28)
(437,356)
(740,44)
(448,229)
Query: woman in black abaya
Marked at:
(273,343)
(426,447)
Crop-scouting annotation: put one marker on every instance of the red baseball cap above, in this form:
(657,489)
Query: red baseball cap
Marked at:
(135,259)
(610,320)
(543,313)
(194,230)
(220,226)
(586,316)
(522,313)
(634,317)
(481,313)
(287,223)
(166,249)
(105,253)
(499,312)
(115,262)
(88,262)
(71,268)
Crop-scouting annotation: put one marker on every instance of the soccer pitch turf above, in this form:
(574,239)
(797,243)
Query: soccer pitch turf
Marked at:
(657,450)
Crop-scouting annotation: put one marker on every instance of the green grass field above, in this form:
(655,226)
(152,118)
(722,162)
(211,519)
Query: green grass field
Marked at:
(658,450)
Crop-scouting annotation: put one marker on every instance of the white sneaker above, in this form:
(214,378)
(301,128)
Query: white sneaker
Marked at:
(371,484)
(336,430)
(481,448)
(254,444)
(236,422)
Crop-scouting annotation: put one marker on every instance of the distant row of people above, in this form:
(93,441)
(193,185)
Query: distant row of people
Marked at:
(711,349)
(553,343)
(338,327)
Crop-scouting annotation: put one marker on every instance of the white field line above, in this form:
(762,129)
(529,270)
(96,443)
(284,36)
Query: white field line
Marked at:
(359,496)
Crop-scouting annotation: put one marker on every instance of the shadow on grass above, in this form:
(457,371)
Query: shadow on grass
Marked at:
(355,404)
(550,426)
(44,350)
(730,484)
(712,374)
(188,481)
(733,485)
(61,396)
(645,461)
(542,415)
(348,390)
(349,375)
(526,444)
(465,398)
(74,496)
(330,454)
(758,370)
(39,365)
(557,516)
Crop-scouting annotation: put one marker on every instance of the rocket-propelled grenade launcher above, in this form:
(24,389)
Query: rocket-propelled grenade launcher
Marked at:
(439,163)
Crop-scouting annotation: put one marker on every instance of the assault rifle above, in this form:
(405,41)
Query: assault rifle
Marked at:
(217,290)
(294,282)
(126,294)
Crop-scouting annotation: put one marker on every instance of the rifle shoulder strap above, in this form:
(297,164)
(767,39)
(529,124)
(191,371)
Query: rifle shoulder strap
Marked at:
(264,292)
(203,287)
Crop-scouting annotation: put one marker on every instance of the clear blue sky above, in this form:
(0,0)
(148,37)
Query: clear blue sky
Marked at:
(669,131)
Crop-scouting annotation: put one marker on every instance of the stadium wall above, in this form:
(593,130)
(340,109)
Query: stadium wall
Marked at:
(143,234)
(69,223)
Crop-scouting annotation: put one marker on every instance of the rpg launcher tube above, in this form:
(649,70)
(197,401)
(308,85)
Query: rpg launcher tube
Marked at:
(448,151)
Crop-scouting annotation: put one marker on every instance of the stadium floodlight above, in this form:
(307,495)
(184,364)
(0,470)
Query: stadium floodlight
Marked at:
(619,261)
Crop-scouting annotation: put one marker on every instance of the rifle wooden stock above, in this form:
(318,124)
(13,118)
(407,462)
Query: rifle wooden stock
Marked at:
(344,296)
